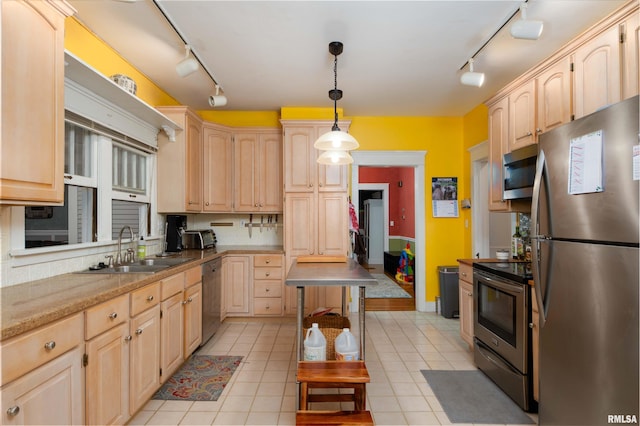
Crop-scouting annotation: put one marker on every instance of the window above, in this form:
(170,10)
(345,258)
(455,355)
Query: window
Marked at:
(120,180)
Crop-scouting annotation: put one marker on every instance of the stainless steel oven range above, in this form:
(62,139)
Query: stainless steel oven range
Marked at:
(502,336)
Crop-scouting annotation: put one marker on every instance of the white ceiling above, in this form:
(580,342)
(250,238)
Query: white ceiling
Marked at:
(401,58)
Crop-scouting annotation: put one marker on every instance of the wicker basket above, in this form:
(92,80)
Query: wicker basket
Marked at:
(330,326)
(327,321)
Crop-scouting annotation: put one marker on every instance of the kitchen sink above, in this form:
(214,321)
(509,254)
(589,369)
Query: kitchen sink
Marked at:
(145,266)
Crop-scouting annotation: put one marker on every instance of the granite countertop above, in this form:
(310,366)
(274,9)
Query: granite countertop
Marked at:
(33,304)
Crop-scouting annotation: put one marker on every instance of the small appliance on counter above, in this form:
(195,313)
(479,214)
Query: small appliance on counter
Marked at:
(174,227)
(199,239)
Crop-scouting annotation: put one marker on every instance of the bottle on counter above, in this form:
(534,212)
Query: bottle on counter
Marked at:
(142,249)
(517,248)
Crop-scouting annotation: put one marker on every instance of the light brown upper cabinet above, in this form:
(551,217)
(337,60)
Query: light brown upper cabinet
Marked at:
(553,90)
(180,163)
(258,171)
(630,30)
(498,145)
(32,160)
(218,169)
(302,172)
(596,73)
(522,116)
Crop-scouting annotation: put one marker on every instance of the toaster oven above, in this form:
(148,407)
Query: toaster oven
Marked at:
(198,239)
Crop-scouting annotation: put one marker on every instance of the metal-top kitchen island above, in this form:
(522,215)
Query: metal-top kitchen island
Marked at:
(344,274)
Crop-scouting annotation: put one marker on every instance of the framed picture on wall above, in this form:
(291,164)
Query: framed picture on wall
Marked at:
(444,196)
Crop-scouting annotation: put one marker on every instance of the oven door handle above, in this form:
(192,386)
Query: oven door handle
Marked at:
(509,288)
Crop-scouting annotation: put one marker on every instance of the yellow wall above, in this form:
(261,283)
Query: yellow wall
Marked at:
(445,139)
(476,130)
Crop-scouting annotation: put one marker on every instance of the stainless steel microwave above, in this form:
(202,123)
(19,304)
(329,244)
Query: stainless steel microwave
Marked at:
(519,172)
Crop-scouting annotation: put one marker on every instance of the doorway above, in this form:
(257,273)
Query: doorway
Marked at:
(490,229)
(415,160)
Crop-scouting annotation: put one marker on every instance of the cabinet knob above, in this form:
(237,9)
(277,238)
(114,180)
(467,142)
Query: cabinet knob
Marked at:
(538,131)
(206,204)
(267,290)
(310,185)
(113,315)
(150,298)
(255,205)
(127,338)
(50,345)
(531,325)
(469,294)
(184,302)
(267,274)
(189,300)
(13,411)
(320,184)
(139,331)
(267,307)
(529,134)
(464,274)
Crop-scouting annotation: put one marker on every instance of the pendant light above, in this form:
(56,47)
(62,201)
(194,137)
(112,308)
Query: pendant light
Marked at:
(335,157)
(336,140)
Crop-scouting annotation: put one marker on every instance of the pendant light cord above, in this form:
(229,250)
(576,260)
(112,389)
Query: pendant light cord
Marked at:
(335,94)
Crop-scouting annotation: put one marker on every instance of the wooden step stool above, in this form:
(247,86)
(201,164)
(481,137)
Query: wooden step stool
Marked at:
(334,418)
(333,374)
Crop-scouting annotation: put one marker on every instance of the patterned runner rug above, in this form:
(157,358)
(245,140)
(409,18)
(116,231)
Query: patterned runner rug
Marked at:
(201,378)
(386,288)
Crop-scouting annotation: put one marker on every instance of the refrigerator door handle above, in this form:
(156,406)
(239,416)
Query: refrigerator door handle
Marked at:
(541,166)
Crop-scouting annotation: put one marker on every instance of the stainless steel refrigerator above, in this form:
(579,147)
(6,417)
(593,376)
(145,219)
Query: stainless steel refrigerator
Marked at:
(585,266)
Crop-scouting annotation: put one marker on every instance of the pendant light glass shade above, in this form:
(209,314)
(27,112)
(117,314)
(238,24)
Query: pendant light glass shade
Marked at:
(335,158)
(336,140)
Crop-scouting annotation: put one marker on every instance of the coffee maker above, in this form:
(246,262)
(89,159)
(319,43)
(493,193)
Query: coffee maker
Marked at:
(174,227)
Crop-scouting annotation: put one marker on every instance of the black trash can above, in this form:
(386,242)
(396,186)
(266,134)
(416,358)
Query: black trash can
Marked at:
(449,301)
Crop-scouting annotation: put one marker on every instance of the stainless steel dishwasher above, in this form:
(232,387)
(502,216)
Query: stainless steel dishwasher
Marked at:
(211,298)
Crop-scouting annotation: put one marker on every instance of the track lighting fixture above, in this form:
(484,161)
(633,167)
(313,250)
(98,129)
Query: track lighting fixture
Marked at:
(524,28)
(471,78)
(217,100)
(336,139)
(188,65)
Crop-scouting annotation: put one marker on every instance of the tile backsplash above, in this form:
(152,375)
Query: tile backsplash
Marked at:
(232,229)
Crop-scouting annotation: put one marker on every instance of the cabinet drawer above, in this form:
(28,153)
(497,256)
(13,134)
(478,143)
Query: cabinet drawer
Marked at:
(267,306)
(24,353)
(106,315)
(267,260)
(267,273)
(144,298)
(192,276)
(466,273)
(267,288)
(172,285)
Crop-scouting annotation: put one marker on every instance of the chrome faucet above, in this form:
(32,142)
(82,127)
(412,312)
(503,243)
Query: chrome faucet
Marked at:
(119,253)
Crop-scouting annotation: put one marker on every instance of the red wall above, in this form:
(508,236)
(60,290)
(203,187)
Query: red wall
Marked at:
(401,198)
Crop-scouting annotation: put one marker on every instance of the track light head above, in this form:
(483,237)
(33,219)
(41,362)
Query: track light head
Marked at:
(217,100)
(524,28)
(471,78)
(188,65)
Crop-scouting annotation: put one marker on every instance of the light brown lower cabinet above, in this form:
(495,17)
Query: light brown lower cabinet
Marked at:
(107,377)
(41,380)
(144,349)
(192,318)
(50,394)
(465,295)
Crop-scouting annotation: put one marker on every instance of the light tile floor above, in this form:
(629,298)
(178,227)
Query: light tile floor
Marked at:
(262,391)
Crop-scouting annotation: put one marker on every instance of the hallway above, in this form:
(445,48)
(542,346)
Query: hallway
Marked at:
(390,304)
